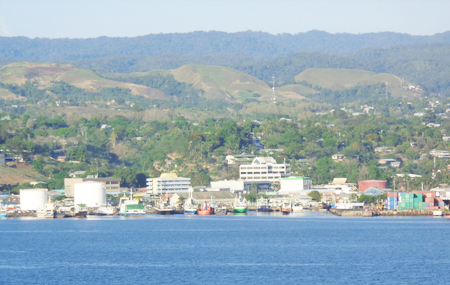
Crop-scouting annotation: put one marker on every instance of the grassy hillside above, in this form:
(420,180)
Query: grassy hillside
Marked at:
(17,173)
(340,79)
(45,73)
(226,83)
(297,89)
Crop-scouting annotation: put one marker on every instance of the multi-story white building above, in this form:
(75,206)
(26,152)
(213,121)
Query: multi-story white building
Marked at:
(168,182)
(264,169)
(293,184)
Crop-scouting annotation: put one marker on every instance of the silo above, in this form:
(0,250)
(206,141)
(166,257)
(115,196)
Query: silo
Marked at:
(90,193)
(33,199)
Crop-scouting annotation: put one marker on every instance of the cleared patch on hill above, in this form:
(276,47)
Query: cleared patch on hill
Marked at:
(17,174)
(333,78)
(46,73)
(340,79)
(297,89)
(7,95)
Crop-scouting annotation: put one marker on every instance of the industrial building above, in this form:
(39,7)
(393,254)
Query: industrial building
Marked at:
(293,184)
(168,182)
(264,169)
(366,184)
(112,184)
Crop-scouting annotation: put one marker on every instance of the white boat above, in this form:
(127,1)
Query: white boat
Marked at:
(189,207)
(130,207)
(164,208)
(297,207)
(48,212)
(106,211)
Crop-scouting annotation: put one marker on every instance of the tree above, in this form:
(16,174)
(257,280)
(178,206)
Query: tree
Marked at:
(38,164)
(315,195)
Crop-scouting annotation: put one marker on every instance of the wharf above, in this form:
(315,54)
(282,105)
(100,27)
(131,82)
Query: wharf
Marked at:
(373,213)
(353,213)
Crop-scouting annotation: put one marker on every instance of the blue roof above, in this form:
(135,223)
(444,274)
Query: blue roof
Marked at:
(373,191)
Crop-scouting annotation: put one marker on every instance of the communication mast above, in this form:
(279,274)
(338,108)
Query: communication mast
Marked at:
(387,84)
(274,96)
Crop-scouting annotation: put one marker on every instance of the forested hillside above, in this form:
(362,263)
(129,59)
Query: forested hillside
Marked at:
(422,60)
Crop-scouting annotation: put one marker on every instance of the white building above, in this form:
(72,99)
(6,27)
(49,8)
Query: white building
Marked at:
(264,169)
(440,153)
(168,182)
(293,184)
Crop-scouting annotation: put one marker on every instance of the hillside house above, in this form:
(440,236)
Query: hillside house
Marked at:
(61,159)
(338,157)
(238,159)
(440,153)
(385,149)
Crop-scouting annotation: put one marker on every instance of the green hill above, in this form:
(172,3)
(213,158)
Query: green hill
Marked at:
(341,79)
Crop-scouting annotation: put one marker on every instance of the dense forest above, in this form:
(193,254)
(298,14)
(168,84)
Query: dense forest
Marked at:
(257,44)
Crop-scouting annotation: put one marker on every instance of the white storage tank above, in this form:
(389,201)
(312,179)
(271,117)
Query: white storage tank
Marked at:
(90,193)
(33,199)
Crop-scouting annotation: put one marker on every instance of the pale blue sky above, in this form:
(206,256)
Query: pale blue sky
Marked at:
(130,18)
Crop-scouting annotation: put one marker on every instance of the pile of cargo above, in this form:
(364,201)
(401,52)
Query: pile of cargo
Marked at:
(392,200)
(423,200)
(411,201)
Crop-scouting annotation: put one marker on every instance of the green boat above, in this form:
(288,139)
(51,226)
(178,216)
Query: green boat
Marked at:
(240,206)
(240,209)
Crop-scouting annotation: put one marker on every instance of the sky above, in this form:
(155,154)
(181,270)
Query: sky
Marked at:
(131,18)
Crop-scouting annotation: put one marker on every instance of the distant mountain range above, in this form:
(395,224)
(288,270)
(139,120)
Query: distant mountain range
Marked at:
(256,44)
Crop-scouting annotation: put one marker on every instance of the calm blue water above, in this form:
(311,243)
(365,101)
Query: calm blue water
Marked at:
(251,249)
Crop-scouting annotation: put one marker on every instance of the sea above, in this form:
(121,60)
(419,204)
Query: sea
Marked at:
(256,248)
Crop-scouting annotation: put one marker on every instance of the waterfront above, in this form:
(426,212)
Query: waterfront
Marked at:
(254,248)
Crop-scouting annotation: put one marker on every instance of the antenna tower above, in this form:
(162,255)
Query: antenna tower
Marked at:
(387,90)
(274,96)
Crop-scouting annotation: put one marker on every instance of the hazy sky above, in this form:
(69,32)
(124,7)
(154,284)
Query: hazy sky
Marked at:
(118,18)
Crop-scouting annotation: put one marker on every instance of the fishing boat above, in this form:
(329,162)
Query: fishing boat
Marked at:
(3,212)
(48,212)
(221,210)
(262,205)
(286,207)
(130,207)
(240,206)
(297,207)
(105,211)
(80,211)
(189,207)
(205,209)
(164,209)
(60,214)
